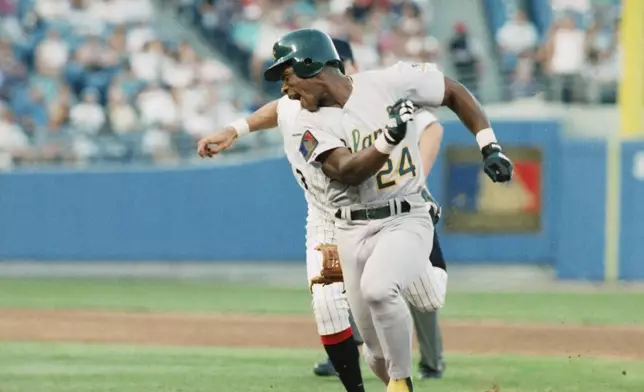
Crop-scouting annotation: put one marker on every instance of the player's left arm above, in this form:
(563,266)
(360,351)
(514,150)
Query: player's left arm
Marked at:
(263,118)
(426,85)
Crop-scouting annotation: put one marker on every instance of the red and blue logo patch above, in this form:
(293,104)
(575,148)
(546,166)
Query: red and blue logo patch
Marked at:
(308,145)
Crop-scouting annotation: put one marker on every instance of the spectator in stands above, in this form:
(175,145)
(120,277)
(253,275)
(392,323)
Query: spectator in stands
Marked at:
(32,105)
(157,105)
(563,59)
(517,41)
(51,54)
(14,144)
(52,9)
(117,43)
(181,70)
(139,35)
(93,54)
(157,143)
(121,115)
(59,108)
(198,123)
(12,71)
(88,116)
(54,141)
(270,30)
(464,53)
(9,24)
(212,71)
(148,63)
(83,19)
(127,82)
(603,53)
(190,98)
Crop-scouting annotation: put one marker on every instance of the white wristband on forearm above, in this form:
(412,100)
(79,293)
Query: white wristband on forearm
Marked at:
(382,145)
(241,127)
(485,137)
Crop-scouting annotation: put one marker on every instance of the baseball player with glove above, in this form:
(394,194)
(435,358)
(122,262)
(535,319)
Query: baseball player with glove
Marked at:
(384,213)
(279,113)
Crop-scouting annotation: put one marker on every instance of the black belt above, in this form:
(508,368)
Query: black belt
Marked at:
(381,212)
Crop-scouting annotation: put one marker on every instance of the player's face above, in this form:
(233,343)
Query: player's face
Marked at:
(307,91)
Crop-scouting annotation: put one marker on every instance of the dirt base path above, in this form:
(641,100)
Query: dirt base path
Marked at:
(298,331)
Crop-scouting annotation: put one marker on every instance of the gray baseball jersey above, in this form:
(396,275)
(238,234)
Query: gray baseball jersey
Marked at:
(364,117)
(384,258)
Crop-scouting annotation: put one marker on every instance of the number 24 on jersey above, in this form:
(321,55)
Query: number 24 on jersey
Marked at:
(405,166)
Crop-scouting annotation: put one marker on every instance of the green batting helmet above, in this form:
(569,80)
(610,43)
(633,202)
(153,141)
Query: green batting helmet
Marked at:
(306,50)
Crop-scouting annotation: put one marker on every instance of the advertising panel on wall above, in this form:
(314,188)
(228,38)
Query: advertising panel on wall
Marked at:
(474,204)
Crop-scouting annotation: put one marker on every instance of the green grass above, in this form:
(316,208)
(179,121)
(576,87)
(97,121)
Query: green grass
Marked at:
(182,296)
(51,367)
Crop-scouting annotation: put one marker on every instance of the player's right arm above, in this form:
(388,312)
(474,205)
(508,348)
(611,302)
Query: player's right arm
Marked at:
(263,118)
(353,168)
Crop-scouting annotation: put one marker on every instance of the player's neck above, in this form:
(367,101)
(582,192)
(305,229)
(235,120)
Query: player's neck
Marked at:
(340,90)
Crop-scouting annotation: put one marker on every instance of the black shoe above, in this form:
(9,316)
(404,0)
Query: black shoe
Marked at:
(426,373)
(324,369)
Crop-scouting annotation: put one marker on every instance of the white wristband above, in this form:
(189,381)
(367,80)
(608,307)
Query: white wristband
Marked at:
(241,127)
(382,145)
(485,137)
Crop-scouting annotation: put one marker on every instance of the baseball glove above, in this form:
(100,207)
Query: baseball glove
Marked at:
(331,270)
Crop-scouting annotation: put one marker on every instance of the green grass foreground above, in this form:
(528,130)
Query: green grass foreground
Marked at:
(190,296)
(53,367)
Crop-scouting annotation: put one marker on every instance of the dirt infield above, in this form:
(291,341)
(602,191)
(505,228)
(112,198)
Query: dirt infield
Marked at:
(272,331)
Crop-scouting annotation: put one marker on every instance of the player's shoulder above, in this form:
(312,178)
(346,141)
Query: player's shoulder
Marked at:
(394,75)
(285,104)
(323,119)
(287,112)
(407,66)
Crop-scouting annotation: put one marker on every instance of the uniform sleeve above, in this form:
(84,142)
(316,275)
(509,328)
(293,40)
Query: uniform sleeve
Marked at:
(422,83)
(424,118)
(320,133)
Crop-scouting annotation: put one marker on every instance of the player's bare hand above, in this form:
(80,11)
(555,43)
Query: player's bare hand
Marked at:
(216,143)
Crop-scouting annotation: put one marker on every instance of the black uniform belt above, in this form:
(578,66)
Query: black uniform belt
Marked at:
(380,212)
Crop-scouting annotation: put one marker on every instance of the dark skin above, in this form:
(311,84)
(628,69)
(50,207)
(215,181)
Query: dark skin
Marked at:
(330,88)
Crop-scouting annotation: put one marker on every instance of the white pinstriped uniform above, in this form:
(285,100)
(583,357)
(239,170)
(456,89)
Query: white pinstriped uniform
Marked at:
(329,303)
(384,260)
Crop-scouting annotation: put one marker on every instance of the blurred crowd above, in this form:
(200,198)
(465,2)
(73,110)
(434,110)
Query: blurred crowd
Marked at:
(84,81)
(381,31)
(576,60)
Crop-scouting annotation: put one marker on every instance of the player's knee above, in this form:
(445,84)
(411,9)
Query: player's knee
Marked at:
(376,294)
(372,354)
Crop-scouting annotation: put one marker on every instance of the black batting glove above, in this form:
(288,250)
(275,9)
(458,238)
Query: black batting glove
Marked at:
(496,164)
(400,113)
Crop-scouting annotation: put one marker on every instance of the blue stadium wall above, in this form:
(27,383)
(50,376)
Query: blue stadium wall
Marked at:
(256,211)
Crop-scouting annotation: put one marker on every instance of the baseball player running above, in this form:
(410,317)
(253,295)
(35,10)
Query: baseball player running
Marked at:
(384,213)
(280,113)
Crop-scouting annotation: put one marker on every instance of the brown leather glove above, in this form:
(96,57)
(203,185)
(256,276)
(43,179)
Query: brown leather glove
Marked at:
(331,270)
